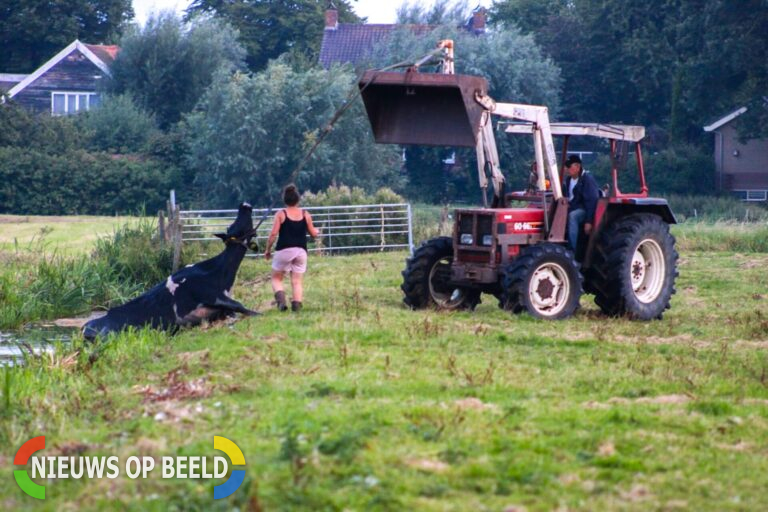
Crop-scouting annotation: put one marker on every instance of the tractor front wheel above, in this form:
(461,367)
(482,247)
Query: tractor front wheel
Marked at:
(426,279)
(543,280)
(634,268)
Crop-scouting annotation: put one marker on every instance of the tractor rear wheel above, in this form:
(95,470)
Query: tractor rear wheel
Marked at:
(543,280)
(426,279)
(634,267)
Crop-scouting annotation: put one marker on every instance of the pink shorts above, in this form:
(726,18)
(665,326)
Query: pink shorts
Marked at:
(292,259)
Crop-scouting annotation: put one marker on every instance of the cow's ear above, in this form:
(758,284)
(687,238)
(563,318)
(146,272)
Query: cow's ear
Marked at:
(223,236)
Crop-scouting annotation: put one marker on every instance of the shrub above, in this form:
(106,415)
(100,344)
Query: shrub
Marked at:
(118,126)
(135,254)
(77,182)
(341,195)
(43,133)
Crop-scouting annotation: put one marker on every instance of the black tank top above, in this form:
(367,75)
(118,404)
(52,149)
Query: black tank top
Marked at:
(293,233)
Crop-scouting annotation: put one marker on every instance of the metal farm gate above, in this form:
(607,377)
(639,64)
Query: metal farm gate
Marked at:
(343,229)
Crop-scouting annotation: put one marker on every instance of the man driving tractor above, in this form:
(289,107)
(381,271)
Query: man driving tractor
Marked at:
(582,194)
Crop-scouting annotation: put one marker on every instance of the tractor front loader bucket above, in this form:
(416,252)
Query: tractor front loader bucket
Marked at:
(423,108)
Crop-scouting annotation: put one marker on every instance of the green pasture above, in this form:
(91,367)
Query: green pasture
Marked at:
(360,404)
(65,235)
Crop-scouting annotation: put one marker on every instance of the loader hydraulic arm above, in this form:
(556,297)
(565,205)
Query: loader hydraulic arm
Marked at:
(546,161)
(488,159)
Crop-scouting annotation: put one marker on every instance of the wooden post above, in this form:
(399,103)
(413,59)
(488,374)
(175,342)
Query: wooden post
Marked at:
(176,239)
(383,241)
(161,233)
(443,220)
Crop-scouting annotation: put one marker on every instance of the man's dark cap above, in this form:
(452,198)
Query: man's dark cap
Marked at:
(573,159)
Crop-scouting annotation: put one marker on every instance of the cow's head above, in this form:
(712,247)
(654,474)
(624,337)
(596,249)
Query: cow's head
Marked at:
(241,231)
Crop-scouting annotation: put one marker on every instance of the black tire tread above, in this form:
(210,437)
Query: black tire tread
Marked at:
(611,285)
(517,273)
(415,285)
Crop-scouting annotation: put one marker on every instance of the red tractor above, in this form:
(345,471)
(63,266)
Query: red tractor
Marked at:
(520,255)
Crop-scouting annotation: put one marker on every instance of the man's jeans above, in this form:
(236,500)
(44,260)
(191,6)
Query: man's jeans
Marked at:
(576,219)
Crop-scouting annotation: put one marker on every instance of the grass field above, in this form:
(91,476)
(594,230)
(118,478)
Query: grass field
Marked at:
(360,404)
(65,235)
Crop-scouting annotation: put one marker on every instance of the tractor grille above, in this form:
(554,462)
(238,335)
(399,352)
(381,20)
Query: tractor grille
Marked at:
(475,236)
(484,228)
(475,229)
(465,223)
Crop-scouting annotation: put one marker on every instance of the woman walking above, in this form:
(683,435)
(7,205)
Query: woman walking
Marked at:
(291,227)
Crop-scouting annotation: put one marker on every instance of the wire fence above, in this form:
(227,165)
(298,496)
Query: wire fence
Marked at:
(343,229)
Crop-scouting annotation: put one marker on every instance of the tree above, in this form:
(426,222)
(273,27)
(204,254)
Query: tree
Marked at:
(33,31)
(675,63)
(269,28)
(167,65)
(250,133)
(442,12)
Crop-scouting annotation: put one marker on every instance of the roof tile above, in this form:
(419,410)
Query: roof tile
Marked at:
(107,53)
(351,42)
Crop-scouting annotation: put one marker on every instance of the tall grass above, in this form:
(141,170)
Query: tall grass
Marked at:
(722,236)
(134,254)
(716,209)
(44,285)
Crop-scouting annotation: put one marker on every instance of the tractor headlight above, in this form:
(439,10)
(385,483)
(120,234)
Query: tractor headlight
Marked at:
(488,240)
(466,239)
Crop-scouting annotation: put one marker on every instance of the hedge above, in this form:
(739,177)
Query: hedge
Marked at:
(79,182)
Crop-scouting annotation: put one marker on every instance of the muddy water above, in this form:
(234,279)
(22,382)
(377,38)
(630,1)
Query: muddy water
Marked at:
(15,346)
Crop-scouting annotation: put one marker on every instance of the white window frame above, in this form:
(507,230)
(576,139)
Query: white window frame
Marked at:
(754,196)
(77,95)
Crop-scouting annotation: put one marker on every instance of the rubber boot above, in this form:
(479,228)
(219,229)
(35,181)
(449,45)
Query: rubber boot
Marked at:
(280,300)
(295,306)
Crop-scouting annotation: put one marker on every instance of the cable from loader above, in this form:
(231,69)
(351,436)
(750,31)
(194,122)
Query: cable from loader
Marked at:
(354,92)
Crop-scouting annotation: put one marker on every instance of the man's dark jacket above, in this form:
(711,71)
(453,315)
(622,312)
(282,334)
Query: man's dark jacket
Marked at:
(585,195)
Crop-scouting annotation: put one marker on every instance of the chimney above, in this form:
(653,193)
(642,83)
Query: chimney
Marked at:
(331,17)
(478,21)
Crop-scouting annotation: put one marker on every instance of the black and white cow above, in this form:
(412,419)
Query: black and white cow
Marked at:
(199,292)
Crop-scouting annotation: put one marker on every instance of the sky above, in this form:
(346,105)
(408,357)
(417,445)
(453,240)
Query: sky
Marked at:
(377,11)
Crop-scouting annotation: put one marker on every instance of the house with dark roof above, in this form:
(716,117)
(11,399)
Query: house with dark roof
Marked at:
(65,84)
(354,42)
(741,167)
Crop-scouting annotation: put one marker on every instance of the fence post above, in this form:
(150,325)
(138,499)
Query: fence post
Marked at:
(443,220)
(161,226)
(383,239)
(176,239)
(410,229)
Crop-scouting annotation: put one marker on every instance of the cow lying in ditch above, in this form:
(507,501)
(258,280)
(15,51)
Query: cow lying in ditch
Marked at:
(197,293)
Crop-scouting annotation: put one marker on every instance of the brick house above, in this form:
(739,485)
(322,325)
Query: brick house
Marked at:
(65,84)
(741,168)
(353,42)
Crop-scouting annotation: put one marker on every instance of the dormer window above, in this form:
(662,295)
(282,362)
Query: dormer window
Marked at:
(65,103)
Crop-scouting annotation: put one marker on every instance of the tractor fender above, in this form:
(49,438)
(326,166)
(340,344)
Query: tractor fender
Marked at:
(611,209)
